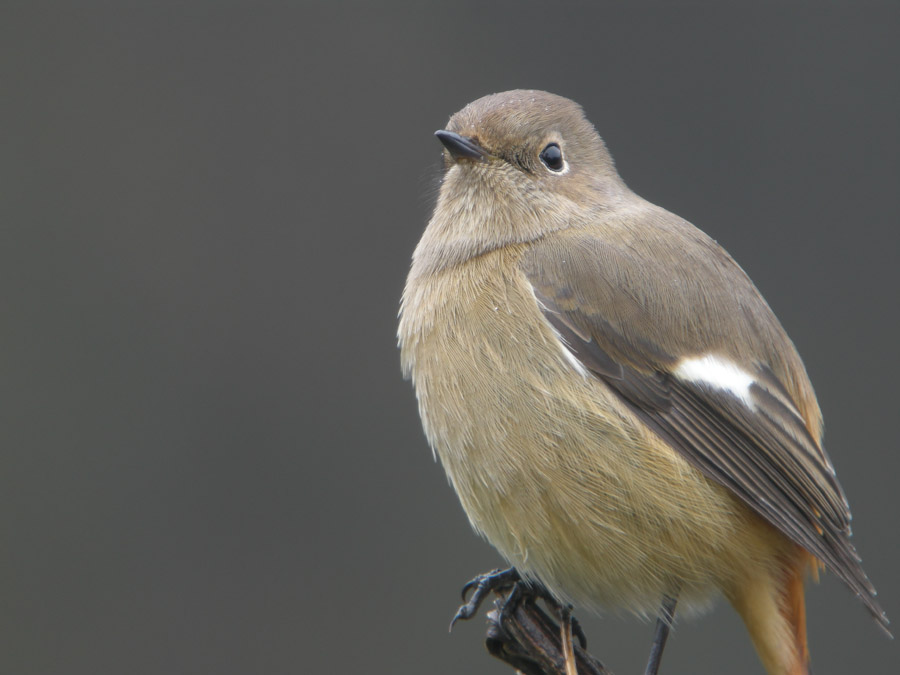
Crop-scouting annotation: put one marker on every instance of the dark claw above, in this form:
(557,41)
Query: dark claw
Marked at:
(495,580)
(565,614)
(578,632)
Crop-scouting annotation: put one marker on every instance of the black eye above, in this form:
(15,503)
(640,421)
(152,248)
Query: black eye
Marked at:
(552,157)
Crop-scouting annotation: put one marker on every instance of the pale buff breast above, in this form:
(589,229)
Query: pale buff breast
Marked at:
(549,465)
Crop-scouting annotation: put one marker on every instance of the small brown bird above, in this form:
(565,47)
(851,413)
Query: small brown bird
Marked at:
(620,412)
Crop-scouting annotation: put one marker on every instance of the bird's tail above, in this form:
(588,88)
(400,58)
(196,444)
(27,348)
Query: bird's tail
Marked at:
(774,610)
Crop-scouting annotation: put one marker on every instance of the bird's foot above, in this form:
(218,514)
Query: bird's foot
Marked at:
(524,635)
(502,580)
(496,580)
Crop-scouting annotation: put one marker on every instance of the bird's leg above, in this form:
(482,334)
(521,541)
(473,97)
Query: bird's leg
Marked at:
(495,580)
(663,623)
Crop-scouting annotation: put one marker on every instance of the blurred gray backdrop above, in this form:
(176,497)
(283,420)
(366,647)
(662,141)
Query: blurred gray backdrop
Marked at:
(210,462)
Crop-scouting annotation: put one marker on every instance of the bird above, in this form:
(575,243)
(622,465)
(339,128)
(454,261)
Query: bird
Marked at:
(618,409)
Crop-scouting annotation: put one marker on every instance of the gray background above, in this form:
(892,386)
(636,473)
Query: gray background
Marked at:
(210,463)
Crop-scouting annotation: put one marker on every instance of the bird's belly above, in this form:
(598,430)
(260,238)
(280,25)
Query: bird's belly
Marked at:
(557,473)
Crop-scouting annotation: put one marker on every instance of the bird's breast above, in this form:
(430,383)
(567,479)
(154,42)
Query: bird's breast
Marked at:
(550,466)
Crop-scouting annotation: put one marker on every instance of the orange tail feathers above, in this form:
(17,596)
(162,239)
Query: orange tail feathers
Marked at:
(794,609)
(774,611)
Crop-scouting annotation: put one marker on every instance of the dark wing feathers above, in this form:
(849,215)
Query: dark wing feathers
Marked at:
(765,455)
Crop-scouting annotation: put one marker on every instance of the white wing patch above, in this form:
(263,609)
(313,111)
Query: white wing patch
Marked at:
(570,357)
(563,345)
(719,373)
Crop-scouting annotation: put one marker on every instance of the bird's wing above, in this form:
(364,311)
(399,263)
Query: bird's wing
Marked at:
(688,343)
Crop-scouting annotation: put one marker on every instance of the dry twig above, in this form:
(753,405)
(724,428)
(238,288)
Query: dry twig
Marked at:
(520,632)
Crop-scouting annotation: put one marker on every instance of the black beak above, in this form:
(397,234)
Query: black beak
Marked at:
(460,146)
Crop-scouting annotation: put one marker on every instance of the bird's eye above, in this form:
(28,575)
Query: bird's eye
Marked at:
(552,157)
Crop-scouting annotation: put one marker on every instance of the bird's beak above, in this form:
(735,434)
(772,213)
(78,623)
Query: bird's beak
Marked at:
(460,146)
